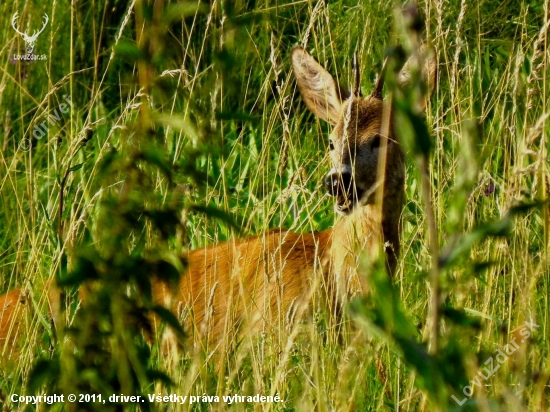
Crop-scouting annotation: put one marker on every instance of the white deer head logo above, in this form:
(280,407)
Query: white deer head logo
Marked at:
(30,40)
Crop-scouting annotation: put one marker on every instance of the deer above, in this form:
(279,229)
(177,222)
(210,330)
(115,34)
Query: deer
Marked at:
(29,40)
(270,279)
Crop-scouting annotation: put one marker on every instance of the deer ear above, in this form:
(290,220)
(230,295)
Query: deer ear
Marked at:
(322,95)
(429,72)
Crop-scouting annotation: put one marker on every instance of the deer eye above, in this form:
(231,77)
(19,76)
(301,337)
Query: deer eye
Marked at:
(375,142)
(330,144)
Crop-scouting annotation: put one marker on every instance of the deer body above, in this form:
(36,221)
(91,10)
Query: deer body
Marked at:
(271,278)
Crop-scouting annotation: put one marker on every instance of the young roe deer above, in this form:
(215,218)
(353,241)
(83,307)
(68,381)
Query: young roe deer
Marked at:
(271,278)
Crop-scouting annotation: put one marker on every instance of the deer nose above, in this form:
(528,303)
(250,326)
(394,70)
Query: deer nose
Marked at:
(338,183)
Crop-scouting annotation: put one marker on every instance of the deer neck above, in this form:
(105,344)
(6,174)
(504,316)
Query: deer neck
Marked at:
(368,228)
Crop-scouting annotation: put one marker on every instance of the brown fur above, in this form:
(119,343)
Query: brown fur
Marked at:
(270,279)
(12,306)
(256,279)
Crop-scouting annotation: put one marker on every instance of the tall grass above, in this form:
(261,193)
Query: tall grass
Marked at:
(186,130)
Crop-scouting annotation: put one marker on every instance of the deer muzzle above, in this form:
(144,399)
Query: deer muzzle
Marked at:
(341,185)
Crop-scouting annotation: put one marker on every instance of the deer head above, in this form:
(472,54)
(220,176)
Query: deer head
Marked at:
(29,40)
(358,135)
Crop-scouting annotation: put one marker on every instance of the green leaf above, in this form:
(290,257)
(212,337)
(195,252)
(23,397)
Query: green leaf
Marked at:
(170,319)
(156,158)
(85,269)
(417,138)
(483,315)
(182,10)
(76,167)
(180,123)
(129,51)
(460,317)
(166,221)
(44,371)
(216,213)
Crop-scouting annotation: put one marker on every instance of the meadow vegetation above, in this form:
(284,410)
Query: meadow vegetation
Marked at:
(185,129)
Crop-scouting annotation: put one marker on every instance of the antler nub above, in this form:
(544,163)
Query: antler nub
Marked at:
(377,92)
